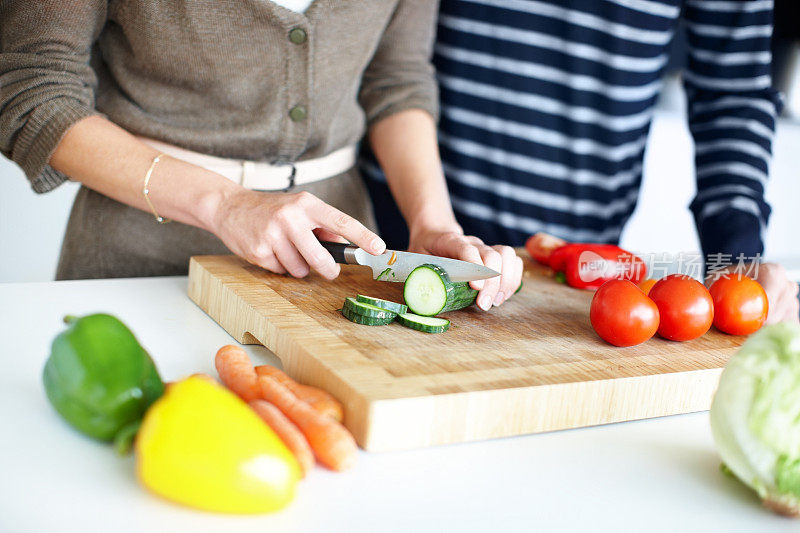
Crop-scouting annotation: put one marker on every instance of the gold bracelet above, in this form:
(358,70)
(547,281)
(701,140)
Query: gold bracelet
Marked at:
(146,190)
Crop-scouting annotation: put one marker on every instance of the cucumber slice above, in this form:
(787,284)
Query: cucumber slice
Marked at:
(394,307)
(367,310)
(365,320)
(428,291)
(426,324)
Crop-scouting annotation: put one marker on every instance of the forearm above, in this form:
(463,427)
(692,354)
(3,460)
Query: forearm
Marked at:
(272,230)
(405,145)
(111,161)
(406,148)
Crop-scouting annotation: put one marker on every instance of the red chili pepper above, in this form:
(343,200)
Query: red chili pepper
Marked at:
(588,266)
(558,259)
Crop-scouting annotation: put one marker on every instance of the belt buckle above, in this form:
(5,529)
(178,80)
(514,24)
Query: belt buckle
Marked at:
(291,178)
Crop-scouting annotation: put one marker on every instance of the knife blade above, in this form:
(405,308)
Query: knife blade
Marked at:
(393,265)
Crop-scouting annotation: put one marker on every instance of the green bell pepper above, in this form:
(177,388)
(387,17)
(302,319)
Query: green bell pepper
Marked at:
(100,379)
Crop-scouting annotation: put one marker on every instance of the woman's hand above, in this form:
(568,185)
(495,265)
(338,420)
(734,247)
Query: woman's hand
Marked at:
(503,259)
(279,231)
(781,293)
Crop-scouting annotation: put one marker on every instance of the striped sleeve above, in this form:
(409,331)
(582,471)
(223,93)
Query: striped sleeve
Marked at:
(732,111)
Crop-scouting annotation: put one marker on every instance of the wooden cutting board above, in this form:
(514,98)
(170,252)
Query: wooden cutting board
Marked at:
(534,364)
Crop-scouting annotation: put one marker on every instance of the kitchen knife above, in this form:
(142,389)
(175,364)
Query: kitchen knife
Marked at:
(396,266)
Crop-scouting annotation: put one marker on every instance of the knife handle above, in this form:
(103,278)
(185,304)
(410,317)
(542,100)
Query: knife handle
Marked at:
(337,250)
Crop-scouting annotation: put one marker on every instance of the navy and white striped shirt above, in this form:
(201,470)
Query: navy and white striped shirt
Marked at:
(546,106)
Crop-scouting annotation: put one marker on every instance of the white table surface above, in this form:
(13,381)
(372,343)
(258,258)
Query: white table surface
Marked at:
(658,475)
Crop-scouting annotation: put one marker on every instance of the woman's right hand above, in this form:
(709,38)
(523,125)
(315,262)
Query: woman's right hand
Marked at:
(279,231)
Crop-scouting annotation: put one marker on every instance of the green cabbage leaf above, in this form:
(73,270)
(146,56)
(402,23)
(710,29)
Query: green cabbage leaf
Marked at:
(755,416)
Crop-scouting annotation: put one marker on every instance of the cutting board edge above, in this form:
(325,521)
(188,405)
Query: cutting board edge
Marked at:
(472,416)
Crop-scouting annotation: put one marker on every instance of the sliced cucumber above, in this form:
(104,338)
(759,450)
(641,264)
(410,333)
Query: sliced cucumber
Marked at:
(428,291)
(366,320)
(371,311)
(394,307)
(426,324)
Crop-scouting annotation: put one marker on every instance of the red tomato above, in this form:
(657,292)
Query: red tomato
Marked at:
(622,314)
(685,305)
(740,304)
(647,284)
(541,245)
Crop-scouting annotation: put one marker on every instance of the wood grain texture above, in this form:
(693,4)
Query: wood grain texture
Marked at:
(534,364)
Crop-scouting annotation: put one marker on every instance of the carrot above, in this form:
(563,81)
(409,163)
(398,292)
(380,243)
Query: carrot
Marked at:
(237,372)
(333,445)
(290,434)
(316,398)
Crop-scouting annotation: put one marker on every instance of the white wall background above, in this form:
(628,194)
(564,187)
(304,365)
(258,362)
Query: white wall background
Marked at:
(32,226)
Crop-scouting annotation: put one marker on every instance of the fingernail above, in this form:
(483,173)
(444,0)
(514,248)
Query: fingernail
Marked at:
(500,298)
(485,303)
(378,246)
(477,285)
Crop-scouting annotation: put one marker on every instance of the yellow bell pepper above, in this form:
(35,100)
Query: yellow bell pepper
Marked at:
(200,445)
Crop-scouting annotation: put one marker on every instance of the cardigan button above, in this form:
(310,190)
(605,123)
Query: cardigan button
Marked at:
(298,113)
(298,35)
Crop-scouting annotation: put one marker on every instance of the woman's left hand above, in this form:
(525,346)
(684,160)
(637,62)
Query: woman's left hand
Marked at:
(503,259)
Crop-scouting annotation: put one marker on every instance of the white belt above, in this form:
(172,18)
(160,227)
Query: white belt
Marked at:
(261,176)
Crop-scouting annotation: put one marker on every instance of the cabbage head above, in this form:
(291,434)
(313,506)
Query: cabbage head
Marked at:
(755,416)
